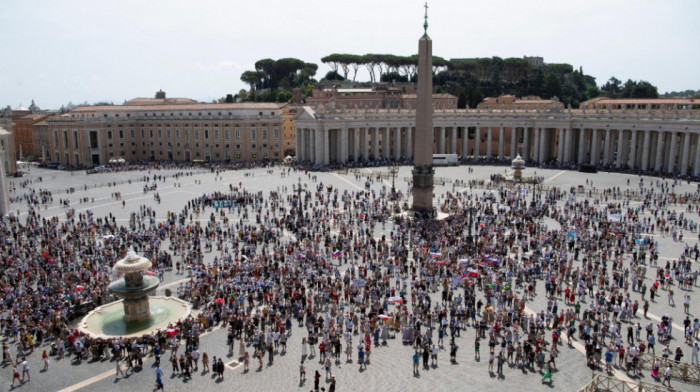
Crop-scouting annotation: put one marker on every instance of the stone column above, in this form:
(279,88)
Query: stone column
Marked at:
(543,145)
(375,143)
(686,154)
(501,142)
(397,143)
(620,145)
(489,141)
(536,145)
(672,153)
(645,150)
(659,152)
(343,145)
(326,146)
(526,147)
(386,143)
(440,140)
(365,143)
(582,146)
(513,142)
(453,140)
(409,142)
(465,142)
(477,142)
(632,162)
(567,144)
(595,148)
(4,186)
(312,145)
(560,149)
(608,145)
(300,149)
(696,166)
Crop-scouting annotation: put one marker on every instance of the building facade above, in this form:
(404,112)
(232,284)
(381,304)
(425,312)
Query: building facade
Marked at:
(654,139)
(380,96)
(154,129)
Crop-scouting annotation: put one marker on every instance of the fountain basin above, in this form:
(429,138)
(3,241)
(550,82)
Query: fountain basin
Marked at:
(107,321)
(119,287)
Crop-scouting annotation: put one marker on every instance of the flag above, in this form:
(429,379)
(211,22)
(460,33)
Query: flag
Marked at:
(190,267)
(435,254)
(335,254)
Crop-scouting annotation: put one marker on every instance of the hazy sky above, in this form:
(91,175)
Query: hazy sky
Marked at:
(58,51)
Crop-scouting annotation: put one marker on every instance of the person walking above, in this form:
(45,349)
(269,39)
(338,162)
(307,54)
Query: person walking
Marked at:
(15,376)
(547,374)
(302,372)
(667,376)
(159,379)
(25,369)
(47,362)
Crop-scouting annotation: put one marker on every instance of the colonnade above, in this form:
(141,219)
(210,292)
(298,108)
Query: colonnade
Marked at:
(654,143)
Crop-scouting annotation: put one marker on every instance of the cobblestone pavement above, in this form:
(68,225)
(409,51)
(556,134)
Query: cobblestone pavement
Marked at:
(390,366)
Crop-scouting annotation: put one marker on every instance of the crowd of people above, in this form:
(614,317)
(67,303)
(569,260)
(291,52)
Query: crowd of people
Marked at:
(348,273)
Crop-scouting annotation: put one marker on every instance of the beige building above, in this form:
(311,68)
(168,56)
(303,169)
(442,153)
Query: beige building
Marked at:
(162,128)
(381,96)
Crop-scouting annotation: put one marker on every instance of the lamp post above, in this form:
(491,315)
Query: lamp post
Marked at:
(393,170)
(299,202)
(470,238)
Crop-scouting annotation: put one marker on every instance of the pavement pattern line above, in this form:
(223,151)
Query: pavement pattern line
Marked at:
(556,175)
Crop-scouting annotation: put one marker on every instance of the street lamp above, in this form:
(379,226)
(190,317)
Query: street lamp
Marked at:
(393,170)
(301,214)
(470,238)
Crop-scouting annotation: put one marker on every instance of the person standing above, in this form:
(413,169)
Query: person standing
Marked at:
(694,354)
(47,362)
(302,372)
(416,360)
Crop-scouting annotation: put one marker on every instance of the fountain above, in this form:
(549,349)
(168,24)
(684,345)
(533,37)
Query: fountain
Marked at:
(139,312)
(518,165)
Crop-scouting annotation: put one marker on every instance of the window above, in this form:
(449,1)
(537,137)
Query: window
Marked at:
(216,134)
(253,146)
(276,133)
(167,133)
(55,138)
(65,140)
(253,134)
(150,133)
(238,134)
(121,134)
(238,146)
(264,133)
(206,134)
(160,133)
(227,134)
(187,134)
(132,134)
(75,139)
(177,133)
(109,134)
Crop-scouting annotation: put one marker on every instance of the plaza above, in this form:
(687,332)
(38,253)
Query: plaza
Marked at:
(390,366)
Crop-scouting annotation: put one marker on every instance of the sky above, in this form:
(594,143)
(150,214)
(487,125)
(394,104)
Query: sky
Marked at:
(56,51)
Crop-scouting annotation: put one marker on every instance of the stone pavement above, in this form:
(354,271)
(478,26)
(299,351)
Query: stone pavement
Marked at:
(390,366)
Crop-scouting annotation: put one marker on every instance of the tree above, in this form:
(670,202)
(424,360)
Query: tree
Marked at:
(333,75)
(612,88)
(252,78)
(229,98)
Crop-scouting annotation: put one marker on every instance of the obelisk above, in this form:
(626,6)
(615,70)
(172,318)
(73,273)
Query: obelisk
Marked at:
(423,156)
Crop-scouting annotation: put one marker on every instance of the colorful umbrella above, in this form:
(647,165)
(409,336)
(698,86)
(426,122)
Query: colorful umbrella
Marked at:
(78,288)
(219,301)
(383,317)
(397,300)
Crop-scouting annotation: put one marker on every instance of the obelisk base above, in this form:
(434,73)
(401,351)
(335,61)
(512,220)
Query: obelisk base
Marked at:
(423,192)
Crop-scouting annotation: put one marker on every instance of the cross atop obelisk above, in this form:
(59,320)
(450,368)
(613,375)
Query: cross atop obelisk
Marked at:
(425,24)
